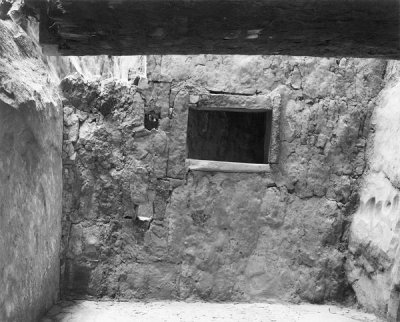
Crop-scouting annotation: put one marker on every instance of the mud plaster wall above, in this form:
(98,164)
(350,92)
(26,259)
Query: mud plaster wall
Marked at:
(214,236)
(30,179)
(373,267)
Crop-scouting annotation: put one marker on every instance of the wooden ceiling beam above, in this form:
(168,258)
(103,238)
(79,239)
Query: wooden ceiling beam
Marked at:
(356,28)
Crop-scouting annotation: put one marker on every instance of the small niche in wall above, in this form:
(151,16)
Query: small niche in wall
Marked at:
(230,136)
(151,120)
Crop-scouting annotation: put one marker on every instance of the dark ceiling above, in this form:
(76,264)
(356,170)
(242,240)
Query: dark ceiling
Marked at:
(356,28)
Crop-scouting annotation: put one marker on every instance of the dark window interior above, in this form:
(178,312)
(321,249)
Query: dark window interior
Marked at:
(229,136)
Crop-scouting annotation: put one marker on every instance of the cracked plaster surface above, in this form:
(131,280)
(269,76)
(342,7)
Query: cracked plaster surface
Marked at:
(215,236)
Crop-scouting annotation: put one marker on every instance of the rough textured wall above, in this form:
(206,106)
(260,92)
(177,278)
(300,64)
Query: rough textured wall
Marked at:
(121,67)
(137,224)
(30,179)
(374,244)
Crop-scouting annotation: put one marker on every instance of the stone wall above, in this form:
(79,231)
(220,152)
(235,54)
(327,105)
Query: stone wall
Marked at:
(139,224)
(30,179)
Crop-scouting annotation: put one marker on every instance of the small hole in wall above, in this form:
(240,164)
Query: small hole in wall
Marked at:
(136,81)
(151,120)
(371,202)
(396,201)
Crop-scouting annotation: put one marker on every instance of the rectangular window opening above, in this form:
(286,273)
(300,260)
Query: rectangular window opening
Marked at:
(229,136)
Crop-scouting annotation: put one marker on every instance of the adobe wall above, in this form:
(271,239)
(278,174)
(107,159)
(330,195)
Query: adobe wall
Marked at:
(280,234)
(373,267)
(30,179)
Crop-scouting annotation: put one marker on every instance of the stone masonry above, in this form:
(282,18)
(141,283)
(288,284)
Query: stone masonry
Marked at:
(137,223)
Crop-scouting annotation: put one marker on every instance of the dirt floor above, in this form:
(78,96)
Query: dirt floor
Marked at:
(91,311)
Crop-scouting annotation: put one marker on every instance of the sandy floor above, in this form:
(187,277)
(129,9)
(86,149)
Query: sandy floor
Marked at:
(88,311)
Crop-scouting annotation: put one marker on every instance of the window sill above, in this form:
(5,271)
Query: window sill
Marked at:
(221,166)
